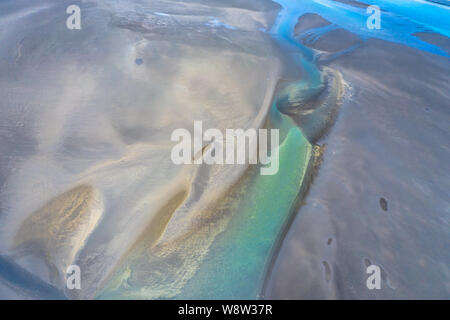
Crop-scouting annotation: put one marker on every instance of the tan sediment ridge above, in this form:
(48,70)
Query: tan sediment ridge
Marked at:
(59,229)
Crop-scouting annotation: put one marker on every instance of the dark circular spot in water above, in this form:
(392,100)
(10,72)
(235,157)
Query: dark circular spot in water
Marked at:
(327,270)
(427,109)
(330,240)
(139,61)
(383,204)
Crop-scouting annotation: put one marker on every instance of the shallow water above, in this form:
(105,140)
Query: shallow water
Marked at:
(238,259)
(399,19)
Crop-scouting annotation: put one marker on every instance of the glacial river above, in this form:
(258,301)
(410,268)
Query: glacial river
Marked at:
(240,258)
